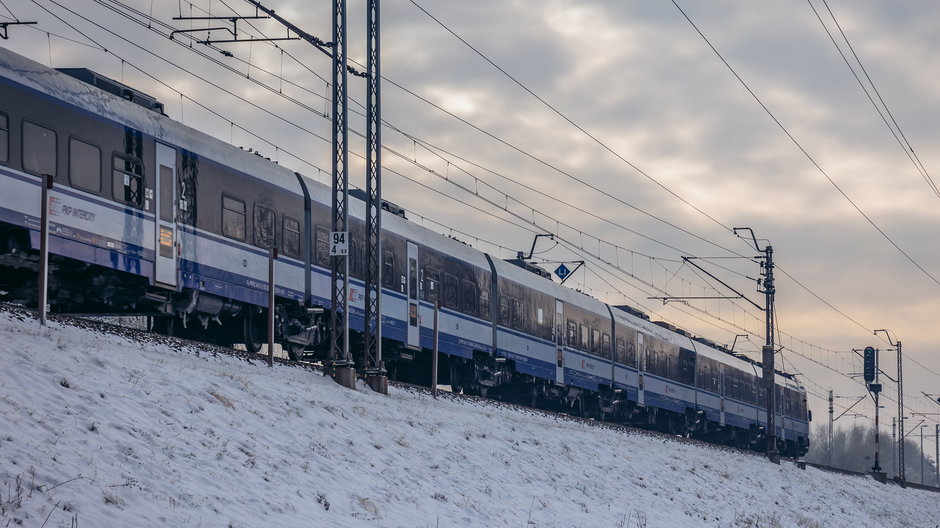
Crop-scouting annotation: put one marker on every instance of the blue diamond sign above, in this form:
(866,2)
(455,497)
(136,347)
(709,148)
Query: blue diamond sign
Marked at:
(562,271)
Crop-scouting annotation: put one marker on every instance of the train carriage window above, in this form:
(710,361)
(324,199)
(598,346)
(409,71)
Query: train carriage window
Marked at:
(620,355)
(129,184)
(571,338)
(4,138)
(605,346)
(265,222)
(468,297)
(290,237)
(518,315)
(39,149)
(504,311)
(233,217)
(432,284)
(584,337)
(450,291)
(84,166)
(355,258)
(595,341)
(323,247)
(165,194)
(485,304)
(631,354)
(388,270)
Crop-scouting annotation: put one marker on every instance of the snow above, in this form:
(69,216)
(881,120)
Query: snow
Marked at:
(99,430)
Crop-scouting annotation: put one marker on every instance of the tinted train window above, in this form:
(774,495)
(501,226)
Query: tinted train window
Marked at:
(605,346)
(4,138)
(128,183)
(518,315)
(84,166)
(432,284)
(584,338)
(290,237)
(265,222)
(388,269)
(39,151)
(572,337)
(450,291)
(323,247)
(485,304)
(233,217)
(166,193)
(620,355)
(504,311)
(468,297)
(355,259)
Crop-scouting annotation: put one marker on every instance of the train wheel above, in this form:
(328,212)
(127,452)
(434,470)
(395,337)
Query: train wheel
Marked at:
(253,330)
(295,351)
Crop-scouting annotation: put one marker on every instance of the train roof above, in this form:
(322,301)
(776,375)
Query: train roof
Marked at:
(99,102)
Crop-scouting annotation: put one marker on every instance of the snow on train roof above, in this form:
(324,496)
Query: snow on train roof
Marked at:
(34,75)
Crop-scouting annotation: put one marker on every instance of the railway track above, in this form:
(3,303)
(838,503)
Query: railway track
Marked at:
(135,333)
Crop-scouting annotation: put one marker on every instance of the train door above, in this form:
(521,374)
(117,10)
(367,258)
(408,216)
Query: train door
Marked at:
(640,364)
(414,327)
(721,392)
(165,209)
(559,342)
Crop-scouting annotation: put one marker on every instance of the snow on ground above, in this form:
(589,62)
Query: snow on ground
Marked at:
(97,430)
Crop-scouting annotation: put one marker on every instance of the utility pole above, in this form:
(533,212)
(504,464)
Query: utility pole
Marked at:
(922,457)
(874,388)
(372,326)
(901,470)
(829,458)
(768,350)
(936,459)
(894,443)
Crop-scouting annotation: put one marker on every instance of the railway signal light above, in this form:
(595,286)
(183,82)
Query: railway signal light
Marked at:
(871,361)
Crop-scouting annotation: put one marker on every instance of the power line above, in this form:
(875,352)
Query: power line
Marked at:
(905,145)
(803,150)
(557,112)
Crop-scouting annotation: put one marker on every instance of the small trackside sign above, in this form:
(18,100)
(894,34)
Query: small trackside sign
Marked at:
(339,243)
(562,271)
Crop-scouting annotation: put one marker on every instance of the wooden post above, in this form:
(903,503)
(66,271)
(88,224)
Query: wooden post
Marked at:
(44,249)
(271,259)
(437,311)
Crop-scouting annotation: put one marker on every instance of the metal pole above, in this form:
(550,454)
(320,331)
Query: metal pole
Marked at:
(937,455)
(902,470)
(340,360)
(437,311)
(271,258)
(894,442)
(829,459)
(768,356)
(921,452)
(372,326)
(902,477)
(44,248)
(877,467)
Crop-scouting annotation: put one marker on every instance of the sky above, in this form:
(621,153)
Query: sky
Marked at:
(117,428)
(644,148)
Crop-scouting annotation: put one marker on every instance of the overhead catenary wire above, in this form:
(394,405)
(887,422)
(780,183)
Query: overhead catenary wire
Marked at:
(803,150)
(895,130)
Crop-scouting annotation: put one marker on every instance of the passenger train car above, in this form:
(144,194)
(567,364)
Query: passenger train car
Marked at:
(151,217)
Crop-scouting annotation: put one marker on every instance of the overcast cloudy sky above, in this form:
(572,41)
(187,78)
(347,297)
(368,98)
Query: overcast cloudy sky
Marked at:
(639,78)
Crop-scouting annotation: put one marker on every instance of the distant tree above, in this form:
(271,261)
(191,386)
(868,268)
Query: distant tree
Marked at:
(853,449)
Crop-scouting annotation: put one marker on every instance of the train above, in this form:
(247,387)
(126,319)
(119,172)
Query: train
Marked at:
(148,216)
